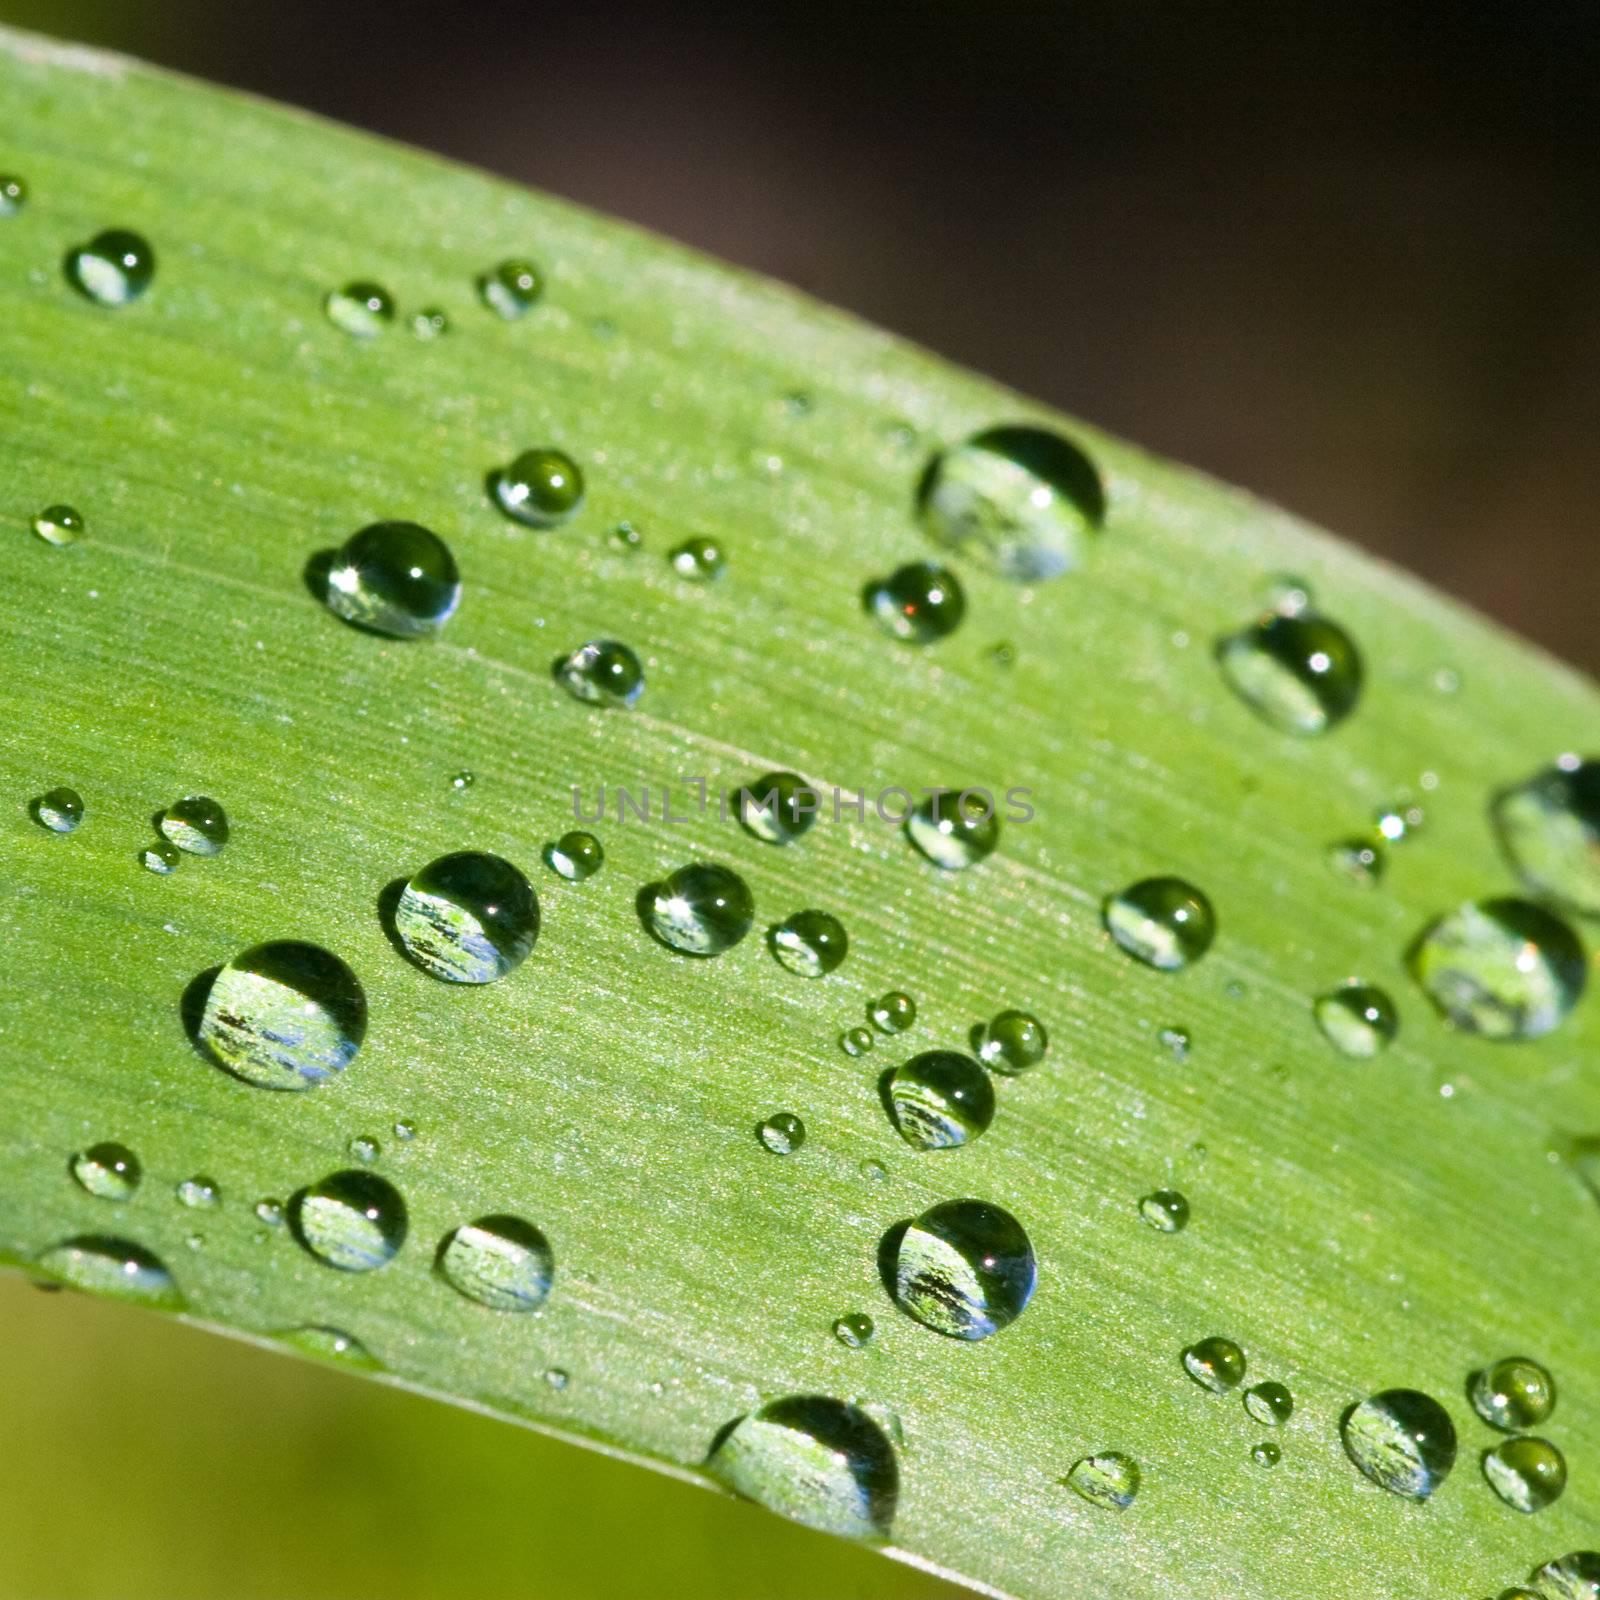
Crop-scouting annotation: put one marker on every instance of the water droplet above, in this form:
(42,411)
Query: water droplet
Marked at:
(270,1212)
(1300,673)
(161,857)
(331,1344)
(108,1170)
(575,856)
(59,525)
(1215,1363)
(955,829)
(352,1220)
(115,267)
(1023,499)
(1527,1473)
(1107,1478)
(284,1015)
(461,781)
(1003,654)
(1176,1042)
(13,194)
(364,1148)
(99,1264)
(1549,828)
(778,808)
(468,917)
(1166,1210)
(394,578)
(919,603)
(964,1268)
(1358,1019)
(405,1132)
(700,560)
(541,488)
(1164,922)
(602,673)
(59,810)
(628,536)
(811,943)
(1403,1440)
(1360,860)
(873,1171)
(430,323)
(557,1377)
(503,1263)
(1013,1042)
(1395,824)
(940,1099)
(196,824)
(782,1134)
(511,288)
(700,910)
(1266,1454)
(360,309)
(198,1193)
(854,1330)
(1288,594)
(816,1460)
(855,1041)
(1575,1576)
(894,1012)
(1503,969)
(1513,1393)
(1269,1403)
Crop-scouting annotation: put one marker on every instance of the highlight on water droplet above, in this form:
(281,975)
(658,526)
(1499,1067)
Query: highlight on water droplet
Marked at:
(117,1268)
(60,810)
(59,525)
(939,1100)
(1357,1019)
(352,1220)
(196,824)
(468,917)
(816,1460)
(394,578)
(542,488)
(854,1330)
(361,309)
(1300,672)
(1107,1478)
(1528,1473)
(810,943)
(603,672)
(782,1133)
(331,1344)
(1269,1403)
(1012,1042)
(964,1268)
(1215,1363)
(575,856)
(955,829)
(699,559)
(113,268)
(1513,1393)
(1403,1440)
(511,288)
(891,1013)
(1025,501)
(1502,968)
(502,1262)
(1166,923)
(700,910)
(108,1170)
(919,603)
(1166,1210)
(1549,828)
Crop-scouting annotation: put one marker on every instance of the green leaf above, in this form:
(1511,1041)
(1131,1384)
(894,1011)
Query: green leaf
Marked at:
(1357,1225)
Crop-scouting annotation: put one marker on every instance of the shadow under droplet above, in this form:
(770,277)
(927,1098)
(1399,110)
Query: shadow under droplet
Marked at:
(316,572)
(886,1095)
(975,1037)
(388,908)
(889,1255)
(722,1435)
(192,1007)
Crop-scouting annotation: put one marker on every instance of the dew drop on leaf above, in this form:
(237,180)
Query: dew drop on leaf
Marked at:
(1266,1454)
(59,525)
(1358,1019)
(955,829)
(394,578)
(964,1268)
(940,1099)
(113,268)
(1166,1210)
(196,824)
(1575,1576)
(778,808)
(1301,673)
(1513,1393)
(891,1013)
(13,194)
(331,1344)
(1166,923)
(107,1170)
(855,1041)
(1107,1478)
(1549,827)
(919,603)
(854,1330)
(782,1134)
(198,1193)
(59,810)
(364,1148)
(468,917)
(161,857)
(699,559)
(575,856)
(1177,1042)
(352,1220)
(1403,1440)
(100,1264)
(542,488)
(1012,1042)
(700,910)
(1360,860)
(502,1262)
(429,324)
(1269,1403)
(361,309)
(810,943)
(1528,1473)
(511,288)
(603,672)
(1215,1363)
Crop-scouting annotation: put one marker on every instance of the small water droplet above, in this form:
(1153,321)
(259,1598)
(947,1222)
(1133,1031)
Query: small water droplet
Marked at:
(575,856)
(284,1015)
(59,525)
(542,488)
(113,268)
(557,1377)
(361,309)
(873,1171)
(1288,595)
(1166,1210)
(108,1170)
(1013,1042)
(461,781)
(59,810)
(700,910)
(430,323)
(364,1148)
(468,917)
(964,1268)
(919,603)
(394,578)
(1502,969)
(815,1460)
(352,1220)
(1023,499)
(198,1193)
(1360,860)
(1358,1019)
(894,1012)
(1513,1393)
(13,194)
(955,829)
(1215,1363)
(1107,1478)
(1549,828)
(628,536)
(270,1212)
(1403,1440)
(603,672)
(699,559)
(811,943)
(778,808)
(501,1262)
(161,857)
(782,1134)
(511,288)
(940,1099)
(1003,654)
(1166,923)
(1395,824)
(1575,1576)
(1176,1042)
(1266,1454)
(331,1344)
(854,1330)
(196,824)
(1269,1403)
(99,1264)
(1527,1473)
(855,1041)
(1300,673)
(405,1132)
(1446,680)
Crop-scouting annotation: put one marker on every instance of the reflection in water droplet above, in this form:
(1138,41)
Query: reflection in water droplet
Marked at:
(1513,1393)
(603,672)
(699,559)
(511,288)
(1358,1019)
(161,857)
(1575,1576)
(331,1344)
(541,488)
(468,917)
(701,909)
(1108,1478)
(59,525)
(965,1268)
(503,1263)
(955,829)
(360,309)
(394,578)
(1164,922)
(891,1013)
(1215,1363)
(1549,828)
(196,824)
(114,268)
(1403,1440)
(1166,1210)
(1503,969)
(284,1015)
(118,1268)
(575,856)
(855,1041)
(778,808)
(1300,673)
(1266,1454)
(1360,860)
(811,943)
(782,1134)
(352,1220)
(816,1460)
(1013,1042)
(1023,499)
(108,1170)
(919,603)
(940,1099)
(59,810)
(1527,1473)
(854,1330)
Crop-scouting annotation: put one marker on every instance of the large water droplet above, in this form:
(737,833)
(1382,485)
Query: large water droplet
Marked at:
(955,829)
(701,909)
(1403,1440)
(59,810)
(919,603)
(503,1263)
(197,824)
(114,268)
(603,672)
(778,808)
(542,488)
(360,309)
(1358,1019)
(1575,1576)
(99,1264)
(284,1015)
(1215,1363)
(468,917)
(1166,923)
(1527,1473)
(811,943)
(1503,969)
(816,1460)
(1021,498)
(1300,672)
(352,1220)
(964,1268)
(1166,1210)
(394,578)
(107,1170)
(1107,1478)
(511,288)
(331,1344)
(1012,1042)
(782,1134)
(59,525)
(1550,830)
(940,1099)
(575,856)
(1513,1393)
